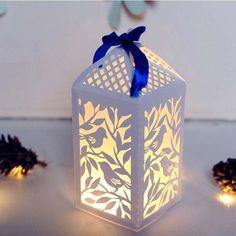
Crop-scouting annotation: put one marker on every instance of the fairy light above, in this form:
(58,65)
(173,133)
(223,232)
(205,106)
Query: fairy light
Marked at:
(17,172)
(226,199)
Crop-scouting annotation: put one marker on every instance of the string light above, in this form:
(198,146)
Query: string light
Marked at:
(226,199)
(17,172)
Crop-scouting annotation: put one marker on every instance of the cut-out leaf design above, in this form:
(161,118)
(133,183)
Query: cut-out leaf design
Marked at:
(118,141)
(152,118)
(97,108)
(126,122)
(83,151)
(151,209)
(126,209)
(95,183)
(110,205)
(89,200)
(165,193)
(88,181)
(98,192)
(147,163)
(161,121)
(82,169)
(126,195)
(125,146)
(176,130)
(111,114)
(127,135)
(177,106)
(120,171)
(93,162)
(173,155)
(146,182)
(151,176)
(150,192)
(153,189)
(103,199)
(156,186)
(151,134)
(86,126)
(118,213)
(126,157)
(109,158)
(156,195)
(88,167)
(98,122)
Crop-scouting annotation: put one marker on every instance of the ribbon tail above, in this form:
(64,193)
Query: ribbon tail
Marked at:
(101,52)
(135,87)
(108,41)
(140,78)
(135,34)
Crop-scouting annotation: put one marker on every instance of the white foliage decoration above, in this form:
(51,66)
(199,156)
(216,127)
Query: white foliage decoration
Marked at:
(105,159)
(162,154)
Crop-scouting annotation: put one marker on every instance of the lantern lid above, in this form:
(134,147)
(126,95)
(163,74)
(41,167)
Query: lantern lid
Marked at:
(114,73)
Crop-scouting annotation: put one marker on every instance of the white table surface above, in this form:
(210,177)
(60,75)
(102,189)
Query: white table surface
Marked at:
(42,203)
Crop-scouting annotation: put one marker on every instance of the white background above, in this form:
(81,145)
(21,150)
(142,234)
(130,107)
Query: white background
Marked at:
(45,45)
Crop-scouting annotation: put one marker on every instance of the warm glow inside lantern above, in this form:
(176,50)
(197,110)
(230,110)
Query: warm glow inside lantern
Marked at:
(127,151)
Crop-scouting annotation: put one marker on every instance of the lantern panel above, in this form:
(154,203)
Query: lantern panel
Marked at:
(105,158)
(161,155)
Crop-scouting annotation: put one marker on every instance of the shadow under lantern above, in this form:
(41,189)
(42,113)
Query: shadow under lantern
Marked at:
(128,151)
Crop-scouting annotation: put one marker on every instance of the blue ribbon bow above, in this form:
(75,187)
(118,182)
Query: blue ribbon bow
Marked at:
(127,41)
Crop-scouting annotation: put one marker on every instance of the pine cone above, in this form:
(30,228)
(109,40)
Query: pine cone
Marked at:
(225,175)
(13,154)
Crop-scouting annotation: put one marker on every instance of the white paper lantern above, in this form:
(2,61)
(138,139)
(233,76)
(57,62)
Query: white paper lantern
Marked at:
(128,151)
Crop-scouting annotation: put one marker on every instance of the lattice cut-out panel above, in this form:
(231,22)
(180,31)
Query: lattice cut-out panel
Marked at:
(105,159)
(113,74)
(157,60)
(161,155)
(157,78)
(110,75)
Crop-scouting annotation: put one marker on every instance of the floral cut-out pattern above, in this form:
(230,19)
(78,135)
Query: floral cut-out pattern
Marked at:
(161,155)
(105,158)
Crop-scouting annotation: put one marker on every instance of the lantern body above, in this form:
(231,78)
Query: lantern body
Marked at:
(127,151)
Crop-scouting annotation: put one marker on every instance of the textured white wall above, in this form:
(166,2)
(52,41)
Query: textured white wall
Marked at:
(45,45)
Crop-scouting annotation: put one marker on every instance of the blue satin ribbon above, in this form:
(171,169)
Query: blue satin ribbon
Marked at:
(127,41)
